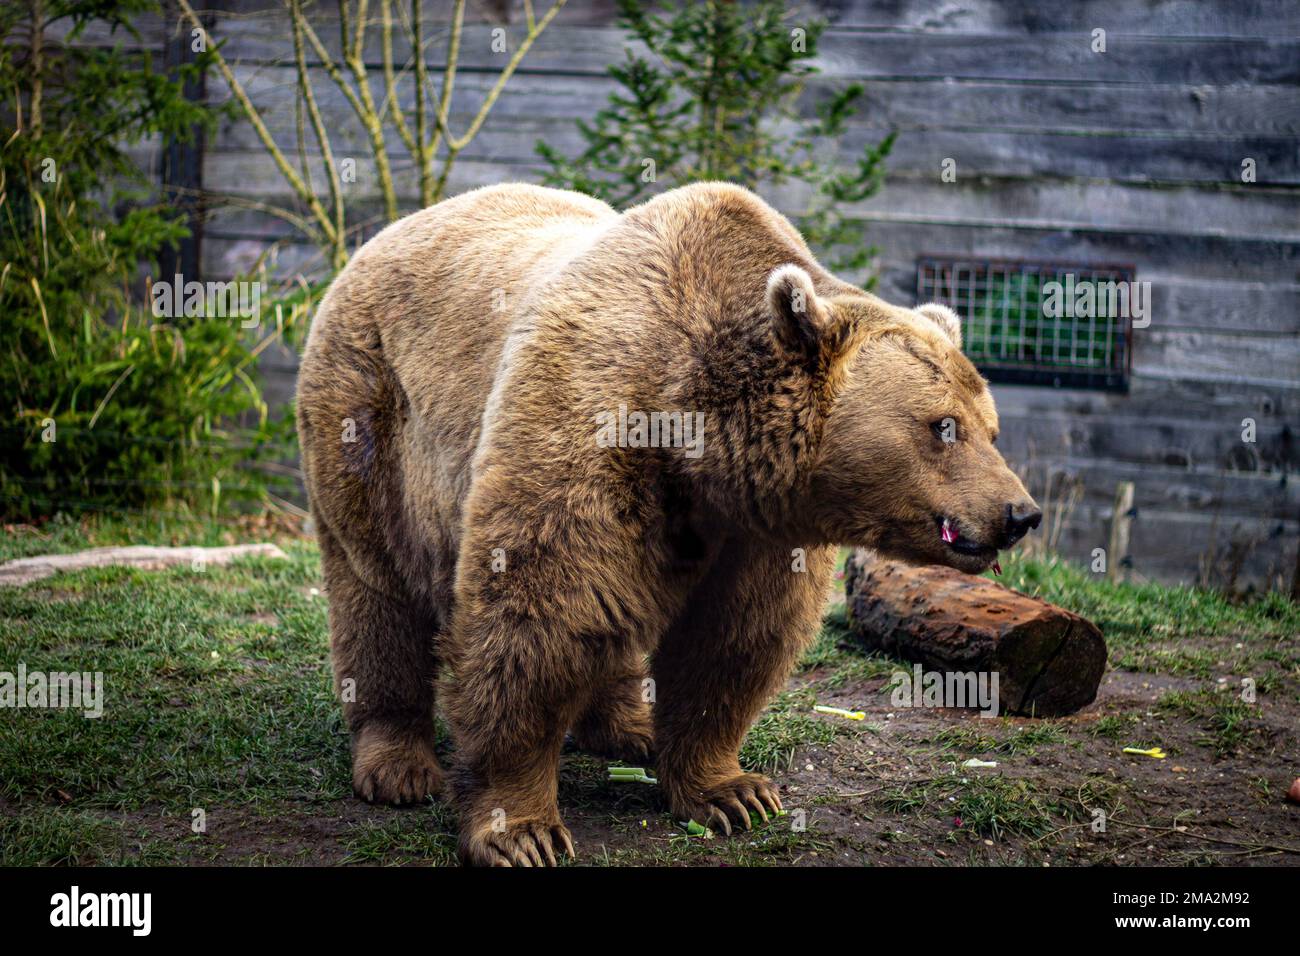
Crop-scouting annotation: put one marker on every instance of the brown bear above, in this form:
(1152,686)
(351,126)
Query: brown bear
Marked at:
(587,472)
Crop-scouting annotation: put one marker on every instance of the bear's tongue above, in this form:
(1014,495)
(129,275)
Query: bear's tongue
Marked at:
(949,535)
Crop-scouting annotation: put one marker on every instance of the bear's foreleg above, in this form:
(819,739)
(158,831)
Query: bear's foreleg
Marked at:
(515,689)
(716,669)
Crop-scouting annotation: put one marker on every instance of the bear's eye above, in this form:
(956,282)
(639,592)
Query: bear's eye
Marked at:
(945,429)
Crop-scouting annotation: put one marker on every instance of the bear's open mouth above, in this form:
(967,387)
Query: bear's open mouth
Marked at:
(963,545)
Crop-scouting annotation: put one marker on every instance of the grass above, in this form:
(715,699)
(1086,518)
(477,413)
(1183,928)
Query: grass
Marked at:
(1227,719)
(218,697)
(988,806)
(1134,614)
(787,724)
(216,691)
(1020,738)
(1163,630)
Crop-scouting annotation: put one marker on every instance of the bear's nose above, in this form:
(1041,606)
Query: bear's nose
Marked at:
(1021,519)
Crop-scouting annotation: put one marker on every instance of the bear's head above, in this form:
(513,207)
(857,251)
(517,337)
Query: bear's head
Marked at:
(907,462)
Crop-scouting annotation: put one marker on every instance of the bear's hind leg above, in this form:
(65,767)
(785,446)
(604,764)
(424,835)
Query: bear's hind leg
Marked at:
(382,650)
(617,721)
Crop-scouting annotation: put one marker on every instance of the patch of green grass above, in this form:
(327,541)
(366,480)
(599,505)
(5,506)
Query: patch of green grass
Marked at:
(994,807)
(1229,721)
(426,835)
(215,686)
(834,652)
(1114,726)
(775,843)
(1141,612)
(987,806)
(1018,739)
(788,723)
(58,836)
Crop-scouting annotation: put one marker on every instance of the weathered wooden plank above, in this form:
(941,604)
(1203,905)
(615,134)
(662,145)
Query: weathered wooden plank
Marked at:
(25,570)
(1134,439)
(1056,57)
(888,103)
(1201,257)
(229,257)
(253,174)
(868,54)
(1241,18)
(149,36)
(1251,212)
(1158,155)
(1074,107)
(918,154)
(864,55)
(1157,398)
(438,12)
(1206,491)
(1173,546)
(1176,302)
(1208,354)
(1124,157)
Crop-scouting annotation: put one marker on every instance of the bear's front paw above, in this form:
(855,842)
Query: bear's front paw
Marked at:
(731,801)
(522,842)
(722,804)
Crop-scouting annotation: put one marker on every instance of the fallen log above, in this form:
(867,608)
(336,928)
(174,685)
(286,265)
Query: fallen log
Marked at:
(1048,660)
(25,570)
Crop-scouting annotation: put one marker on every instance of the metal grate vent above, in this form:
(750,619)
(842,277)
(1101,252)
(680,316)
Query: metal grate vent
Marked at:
(1051,323)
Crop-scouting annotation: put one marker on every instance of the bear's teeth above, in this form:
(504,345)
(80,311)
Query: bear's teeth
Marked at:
(947,533)
(997,568)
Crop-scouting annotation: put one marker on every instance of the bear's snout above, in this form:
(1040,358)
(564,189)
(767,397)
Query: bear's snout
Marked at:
(1020,520)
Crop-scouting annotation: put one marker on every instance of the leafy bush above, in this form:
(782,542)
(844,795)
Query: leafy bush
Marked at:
(107,406)
(728,102)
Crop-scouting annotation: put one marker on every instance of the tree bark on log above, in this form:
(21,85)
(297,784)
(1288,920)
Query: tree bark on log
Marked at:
(1049,661)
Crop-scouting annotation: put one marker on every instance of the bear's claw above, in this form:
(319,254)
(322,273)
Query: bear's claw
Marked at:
(521,843)
(730,802)
(394,768)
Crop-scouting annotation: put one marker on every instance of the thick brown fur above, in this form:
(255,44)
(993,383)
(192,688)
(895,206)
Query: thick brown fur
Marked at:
(475,532)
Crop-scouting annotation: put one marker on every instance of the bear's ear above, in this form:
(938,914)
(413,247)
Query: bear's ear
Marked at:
(945,318)
(800,320)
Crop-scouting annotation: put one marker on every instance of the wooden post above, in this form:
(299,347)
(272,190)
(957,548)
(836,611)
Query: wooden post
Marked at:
(1120,524)
(180,171)
(1295,581)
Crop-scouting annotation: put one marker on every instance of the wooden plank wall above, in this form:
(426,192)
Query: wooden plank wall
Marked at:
(1131,155)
